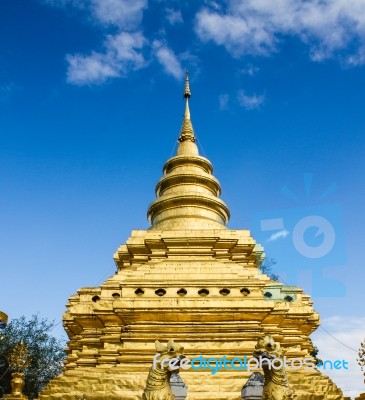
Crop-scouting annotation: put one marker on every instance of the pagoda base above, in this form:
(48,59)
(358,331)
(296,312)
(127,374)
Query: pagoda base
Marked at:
(121,383)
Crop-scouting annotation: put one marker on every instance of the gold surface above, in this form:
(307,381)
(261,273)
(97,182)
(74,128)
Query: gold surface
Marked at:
(158,380)
(187,131)
(276,385)
(188,193)
(187,92)
(19,358)
(189,278)
(17,384)
(3,317)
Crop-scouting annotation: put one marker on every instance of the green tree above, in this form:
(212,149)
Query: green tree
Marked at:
(46,353)
(266,267)
(314,354)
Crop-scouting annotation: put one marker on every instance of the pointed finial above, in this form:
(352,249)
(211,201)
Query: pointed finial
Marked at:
(187,132)
(187,93)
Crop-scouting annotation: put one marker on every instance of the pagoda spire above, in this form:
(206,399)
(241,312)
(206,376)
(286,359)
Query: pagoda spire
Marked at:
(187,195)
(187,131)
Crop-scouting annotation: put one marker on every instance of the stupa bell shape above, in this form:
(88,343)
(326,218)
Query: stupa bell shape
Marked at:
(188,193)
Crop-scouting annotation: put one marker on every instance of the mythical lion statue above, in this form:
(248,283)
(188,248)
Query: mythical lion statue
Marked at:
(276,386)
(158,381)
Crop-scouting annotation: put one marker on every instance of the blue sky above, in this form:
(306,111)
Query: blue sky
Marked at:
(91,107)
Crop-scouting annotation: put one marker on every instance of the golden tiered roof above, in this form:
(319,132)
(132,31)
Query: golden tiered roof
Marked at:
(188,193)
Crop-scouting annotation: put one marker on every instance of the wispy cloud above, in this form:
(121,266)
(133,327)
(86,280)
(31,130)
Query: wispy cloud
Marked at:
(122,54)
(96,68)
(123,13)
(278,235)
(358,58)
(174,16)
(223,101)
(238,35)
(123,51)
(167,58)
(257,27)
(332,341)
(8,90)
(250,102)
(250,70)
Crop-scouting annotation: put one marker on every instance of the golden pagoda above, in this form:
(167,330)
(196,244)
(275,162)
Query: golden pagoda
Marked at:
(188,278)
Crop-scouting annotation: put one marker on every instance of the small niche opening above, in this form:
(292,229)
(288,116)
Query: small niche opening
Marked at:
(139,291)
(95,299)
(116,295)
(245,291)
(160,292)
(225,292)
(182,292)
(288,298)
(203,292)
(268,295)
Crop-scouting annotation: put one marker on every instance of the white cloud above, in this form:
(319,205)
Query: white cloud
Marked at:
(126,14)
(350,331)
(278,235)
(174,16)
(95,68)
(167,58)
(122,54)
(357,59)
(223,101)
(124,50)
(250,102)
(254,27)
(250,70)
(257,26)
(124,47)
(237,34)
(213,4)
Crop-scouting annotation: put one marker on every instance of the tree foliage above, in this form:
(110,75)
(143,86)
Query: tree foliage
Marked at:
(314,354)
(46,353)
(266,267)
